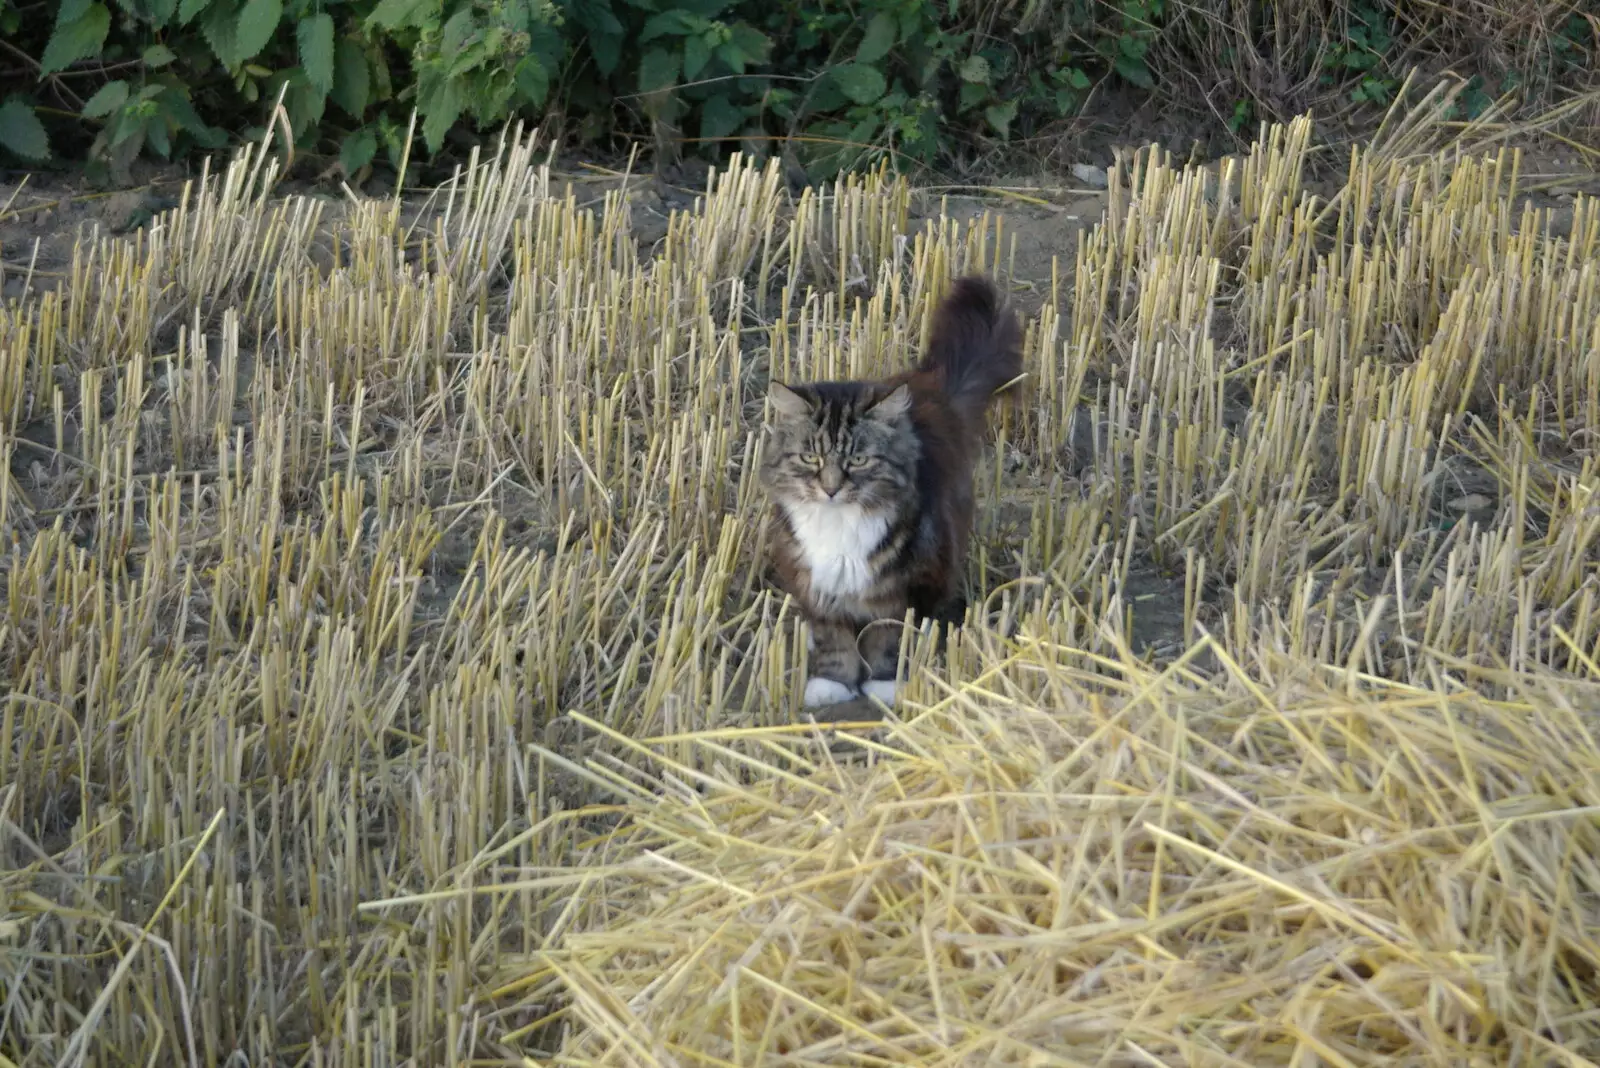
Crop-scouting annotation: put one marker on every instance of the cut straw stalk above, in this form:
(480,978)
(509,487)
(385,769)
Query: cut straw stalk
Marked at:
(422,540)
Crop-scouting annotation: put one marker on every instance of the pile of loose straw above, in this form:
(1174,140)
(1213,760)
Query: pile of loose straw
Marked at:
(1073,861)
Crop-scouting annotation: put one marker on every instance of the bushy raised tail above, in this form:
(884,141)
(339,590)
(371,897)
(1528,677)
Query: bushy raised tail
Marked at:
(975,346)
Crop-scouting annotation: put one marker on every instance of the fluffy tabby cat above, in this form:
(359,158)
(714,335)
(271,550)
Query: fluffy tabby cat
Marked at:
(871,486)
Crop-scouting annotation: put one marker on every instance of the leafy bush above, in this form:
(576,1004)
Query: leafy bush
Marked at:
(837,83)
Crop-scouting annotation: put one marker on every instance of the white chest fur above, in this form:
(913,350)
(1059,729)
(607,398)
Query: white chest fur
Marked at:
(837,542)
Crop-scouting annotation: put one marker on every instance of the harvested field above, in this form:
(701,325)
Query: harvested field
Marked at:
(392,679)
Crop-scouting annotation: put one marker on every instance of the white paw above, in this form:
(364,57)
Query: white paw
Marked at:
(881,690)
(821,691)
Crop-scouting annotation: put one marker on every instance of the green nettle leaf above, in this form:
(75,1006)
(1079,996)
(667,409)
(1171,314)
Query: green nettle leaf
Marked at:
(188,9)
(861,83)
(219,25)
(304,103)
(607,51)
(181,111)
(71,11)
(358,150)
(672,23)
(658,69)
(128,143)
(753,45)
(548,43)
(394,14)
(258,21)
(111,96)
(439,100)
(879,38)
(315,38)
(825,98)
(863,132)
(975,69)
(533,80)
(719,117)
(1077,78)
(729,53)
(351,82)
(156,134)
(597,15)
(999,117)
(1135,71)
(21,132)
(158,55)
(75,40)
(131,124)
(696,54)
(457,29)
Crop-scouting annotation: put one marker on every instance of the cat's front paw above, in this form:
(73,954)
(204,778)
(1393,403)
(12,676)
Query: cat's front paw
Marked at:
(881,690)
(821,691)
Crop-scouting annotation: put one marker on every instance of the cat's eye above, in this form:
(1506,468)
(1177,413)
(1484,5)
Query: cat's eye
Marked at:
(860,459)
(810,459)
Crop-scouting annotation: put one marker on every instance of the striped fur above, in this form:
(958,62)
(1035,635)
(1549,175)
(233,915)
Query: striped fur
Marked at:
(871,485)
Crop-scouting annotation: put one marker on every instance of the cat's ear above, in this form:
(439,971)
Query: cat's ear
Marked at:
(787,402)
(891,407)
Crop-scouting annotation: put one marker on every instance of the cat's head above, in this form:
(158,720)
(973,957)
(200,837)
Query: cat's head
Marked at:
(841,442)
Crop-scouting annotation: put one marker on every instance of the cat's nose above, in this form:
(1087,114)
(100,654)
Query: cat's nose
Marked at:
(832,480)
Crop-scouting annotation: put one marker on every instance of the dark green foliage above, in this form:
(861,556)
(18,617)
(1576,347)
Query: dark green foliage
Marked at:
(22,132)
(838,84)
(1364,51)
